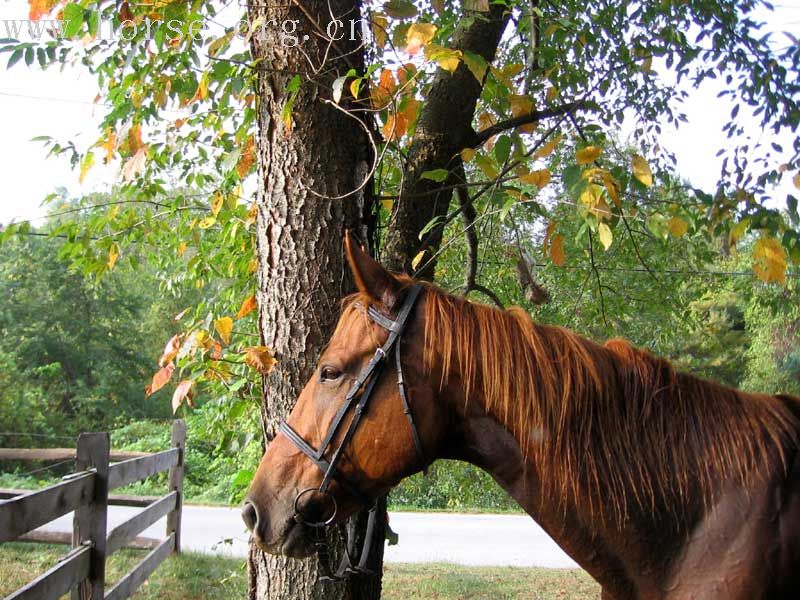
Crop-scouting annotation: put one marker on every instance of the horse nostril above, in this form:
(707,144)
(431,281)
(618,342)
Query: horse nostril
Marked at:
(250,515)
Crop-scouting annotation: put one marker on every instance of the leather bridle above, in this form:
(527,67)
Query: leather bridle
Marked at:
(357,399)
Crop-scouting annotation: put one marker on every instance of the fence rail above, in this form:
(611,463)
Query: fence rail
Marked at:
(82,570)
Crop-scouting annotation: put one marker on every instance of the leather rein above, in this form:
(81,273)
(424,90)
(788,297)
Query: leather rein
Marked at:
(357,398)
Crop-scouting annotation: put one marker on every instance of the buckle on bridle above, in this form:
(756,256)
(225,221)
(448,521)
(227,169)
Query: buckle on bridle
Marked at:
(298,515)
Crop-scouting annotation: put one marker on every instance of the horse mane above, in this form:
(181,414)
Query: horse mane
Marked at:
(612,417)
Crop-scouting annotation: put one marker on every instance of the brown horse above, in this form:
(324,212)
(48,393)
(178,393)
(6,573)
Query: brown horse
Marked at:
(661,485)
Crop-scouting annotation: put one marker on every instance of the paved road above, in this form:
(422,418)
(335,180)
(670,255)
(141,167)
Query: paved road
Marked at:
(424,537)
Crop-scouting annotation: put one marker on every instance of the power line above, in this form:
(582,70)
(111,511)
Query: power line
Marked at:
(76,101)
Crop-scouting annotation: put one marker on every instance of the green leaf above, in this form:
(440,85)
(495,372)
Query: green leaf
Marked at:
(294,84)
(791,204)
(502,149)
(14,58)
(243,478)
(486,165)
(430,225)
(476,64)
(438,175)
(400,9)
(73,19)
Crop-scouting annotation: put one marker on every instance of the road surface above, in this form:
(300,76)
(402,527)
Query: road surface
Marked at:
(497,540)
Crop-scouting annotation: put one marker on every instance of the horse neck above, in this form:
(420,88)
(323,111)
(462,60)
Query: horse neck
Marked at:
(489,436)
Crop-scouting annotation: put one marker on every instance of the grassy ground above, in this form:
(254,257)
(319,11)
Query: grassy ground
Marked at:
(197,577)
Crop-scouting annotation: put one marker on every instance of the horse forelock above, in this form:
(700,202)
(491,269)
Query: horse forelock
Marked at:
(615,418)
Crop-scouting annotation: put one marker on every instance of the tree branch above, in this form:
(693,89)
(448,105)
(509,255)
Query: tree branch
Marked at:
(537,115)
(468,214)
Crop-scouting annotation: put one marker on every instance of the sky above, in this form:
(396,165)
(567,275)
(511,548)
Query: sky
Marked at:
(60,104)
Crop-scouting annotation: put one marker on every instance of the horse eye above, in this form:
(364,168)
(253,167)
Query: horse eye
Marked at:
(329,374)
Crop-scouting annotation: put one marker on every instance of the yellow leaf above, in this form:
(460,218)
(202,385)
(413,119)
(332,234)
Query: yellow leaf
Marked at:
(467,154)
(248,306)
(476,5)
(206,222)
(592,198)
(160,379)
(769,260)
(476,65)
(417,259)
(605,235)
(552,93)
(201,93)
(247,159)
(39,8)
(506,74)
(109,144)
(548,148)
(487,120)
(486,165)
(86,164)
(406,75)
(133,141)
(641,170)
(588,154)
(418,36)
(380,25)
(183,391)
(113,255)
(446,58)
(395,127)
(220,43)
(355,87)
(551,227)
(738,230)
(522,105)
(539,178)
(557,251)
(796,181)
(647,64)
(252,214)
(224,327)
(170,350)
(677,227)
(612,187)
(381,94)
(387,204)
(260,358)
(135,165)
(410,111)
(216,203)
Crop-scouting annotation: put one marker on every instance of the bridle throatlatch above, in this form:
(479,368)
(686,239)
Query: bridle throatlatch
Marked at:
(358,400)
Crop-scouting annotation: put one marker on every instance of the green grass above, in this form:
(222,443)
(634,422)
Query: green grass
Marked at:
(456,582)
(188,576)
(199,577)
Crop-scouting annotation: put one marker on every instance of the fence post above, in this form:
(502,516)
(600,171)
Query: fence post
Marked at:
(176,482)
(90,522)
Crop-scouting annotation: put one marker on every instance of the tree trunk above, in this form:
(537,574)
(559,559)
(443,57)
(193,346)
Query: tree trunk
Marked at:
(443,130)
(302,269)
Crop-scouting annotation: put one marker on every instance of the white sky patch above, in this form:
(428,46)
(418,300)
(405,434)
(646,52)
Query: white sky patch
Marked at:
(60,104)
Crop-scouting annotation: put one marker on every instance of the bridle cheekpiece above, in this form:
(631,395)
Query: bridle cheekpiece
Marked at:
(357,398)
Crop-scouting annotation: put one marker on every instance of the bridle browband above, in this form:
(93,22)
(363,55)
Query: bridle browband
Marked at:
(366,380)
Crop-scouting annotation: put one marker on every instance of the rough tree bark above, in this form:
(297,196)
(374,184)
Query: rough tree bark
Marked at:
(443,130)
(302,270)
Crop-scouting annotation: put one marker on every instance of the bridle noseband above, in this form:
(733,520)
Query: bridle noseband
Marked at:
(355,398)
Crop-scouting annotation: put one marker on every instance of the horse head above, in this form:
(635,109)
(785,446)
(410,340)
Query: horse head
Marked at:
(362,422)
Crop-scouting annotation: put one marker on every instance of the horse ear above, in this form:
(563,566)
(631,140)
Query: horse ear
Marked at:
(370,277)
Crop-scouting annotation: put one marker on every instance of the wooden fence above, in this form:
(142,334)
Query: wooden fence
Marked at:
(81,572)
